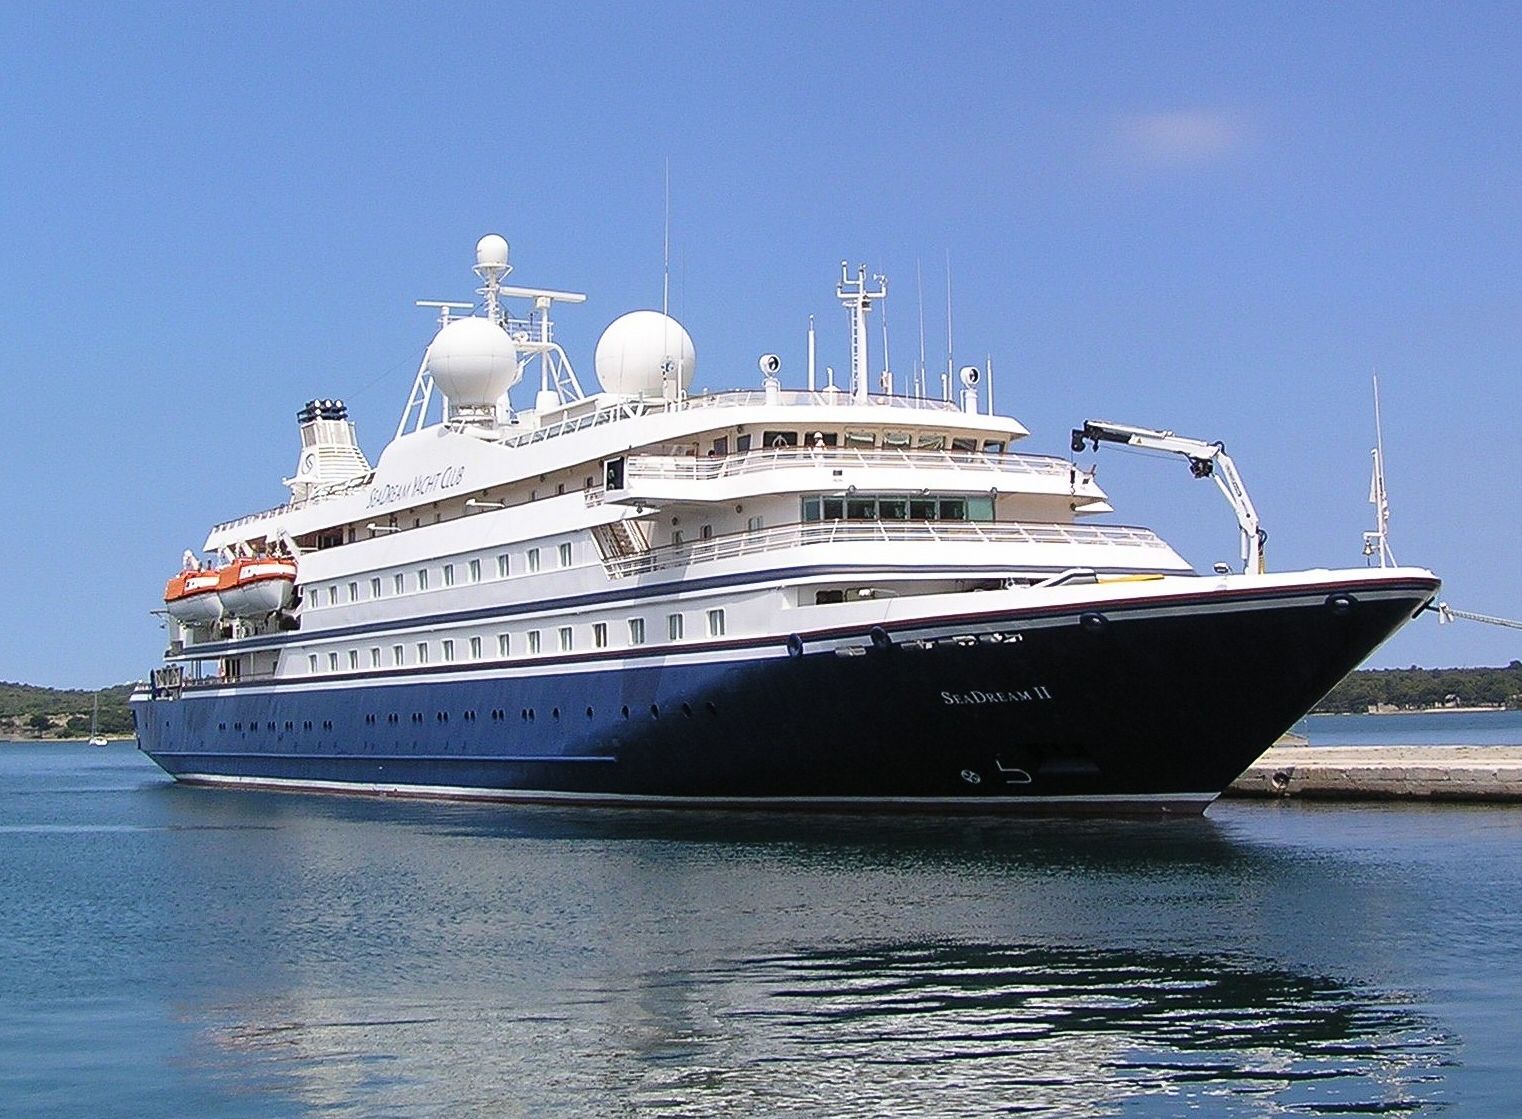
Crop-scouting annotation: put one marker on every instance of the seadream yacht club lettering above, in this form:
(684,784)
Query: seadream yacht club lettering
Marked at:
(420,486)
(1033,694)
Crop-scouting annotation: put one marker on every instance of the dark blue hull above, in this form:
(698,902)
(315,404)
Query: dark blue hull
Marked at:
(1151,704)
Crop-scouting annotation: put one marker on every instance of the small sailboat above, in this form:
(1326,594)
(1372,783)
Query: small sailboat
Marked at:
(96,738)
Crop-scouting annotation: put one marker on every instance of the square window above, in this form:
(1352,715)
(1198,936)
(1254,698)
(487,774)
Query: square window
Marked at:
(716,623)
(332,662)
(422,652)
(475,571)
(502,566)
(375,657)
(353,592)
(311,662)
(600,635)
(674,627)
(533,641)
(422,578)
(565,555)
(333,596)
(533,559)
(754,523)
(448,649)
(449,574)
(399,584)
(396,654)
(353,659)
(636,631)
(375,587)
(565,639)
(475,648)
(504,643)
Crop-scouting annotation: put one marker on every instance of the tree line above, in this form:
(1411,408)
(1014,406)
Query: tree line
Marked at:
(27,710)
(1414,688)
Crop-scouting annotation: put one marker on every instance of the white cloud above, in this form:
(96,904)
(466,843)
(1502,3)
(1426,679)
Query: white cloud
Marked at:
(1182,138)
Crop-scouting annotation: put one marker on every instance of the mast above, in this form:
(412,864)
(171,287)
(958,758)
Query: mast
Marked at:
(1377,543)
(857,300)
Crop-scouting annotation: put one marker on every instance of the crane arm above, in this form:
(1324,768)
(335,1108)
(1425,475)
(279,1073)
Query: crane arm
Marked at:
(1206,460)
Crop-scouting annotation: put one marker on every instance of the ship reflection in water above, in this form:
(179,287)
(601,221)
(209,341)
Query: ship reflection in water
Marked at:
(544,963)
(892,1029)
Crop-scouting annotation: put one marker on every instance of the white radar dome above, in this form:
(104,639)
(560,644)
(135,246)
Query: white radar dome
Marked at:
(491,252)
(473,362)
(644,352)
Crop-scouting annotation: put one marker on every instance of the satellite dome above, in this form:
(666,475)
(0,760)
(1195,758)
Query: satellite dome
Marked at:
(642,352)
(491,252)
(473,362)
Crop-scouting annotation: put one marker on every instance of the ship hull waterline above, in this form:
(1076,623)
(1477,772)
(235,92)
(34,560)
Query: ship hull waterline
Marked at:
(1113,709)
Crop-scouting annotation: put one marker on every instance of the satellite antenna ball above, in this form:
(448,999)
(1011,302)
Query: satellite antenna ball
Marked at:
(491,253)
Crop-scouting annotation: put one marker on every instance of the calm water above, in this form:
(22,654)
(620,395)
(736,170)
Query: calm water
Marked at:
(173,951)
(1458,728)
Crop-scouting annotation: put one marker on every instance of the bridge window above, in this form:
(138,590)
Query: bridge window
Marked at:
(931,441)
(774,440)
(896,440)
(861,440)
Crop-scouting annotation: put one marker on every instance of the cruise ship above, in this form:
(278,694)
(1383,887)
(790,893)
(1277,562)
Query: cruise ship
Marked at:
(826,597)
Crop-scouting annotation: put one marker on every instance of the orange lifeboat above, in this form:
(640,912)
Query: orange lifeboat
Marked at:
(191,597)
(257,586)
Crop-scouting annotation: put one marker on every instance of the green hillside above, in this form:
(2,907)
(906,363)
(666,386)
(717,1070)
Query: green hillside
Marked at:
(27,711)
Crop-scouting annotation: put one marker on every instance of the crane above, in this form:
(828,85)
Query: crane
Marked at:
(1206,460)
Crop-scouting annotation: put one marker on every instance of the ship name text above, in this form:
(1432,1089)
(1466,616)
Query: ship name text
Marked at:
(420,486)
(1033,694)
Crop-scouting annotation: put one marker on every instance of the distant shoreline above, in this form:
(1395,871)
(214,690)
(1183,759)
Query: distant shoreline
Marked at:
(1408,711)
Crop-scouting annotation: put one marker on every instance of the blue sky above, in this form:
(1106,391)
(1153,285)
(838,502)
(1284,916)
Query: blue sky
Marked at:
(1212,218)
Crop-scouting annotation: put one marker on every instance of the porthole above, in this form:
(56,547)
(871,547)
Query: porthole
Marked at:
(712,710)
(624,711)
(655,712)
(589,712)
(687,711)
(555,713)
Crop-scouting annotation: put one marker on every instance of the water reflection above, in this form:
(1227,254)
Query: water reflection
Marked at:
(902,1029)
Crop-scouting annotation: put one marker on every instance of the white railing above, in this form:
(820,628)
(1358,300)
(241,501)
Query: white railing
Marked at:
(750,462)
(890,532)
(337,489)
(748,398)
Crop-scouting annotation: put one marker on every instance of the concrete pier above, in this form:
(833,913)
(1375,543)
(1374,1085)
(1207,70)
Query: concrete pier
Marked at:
(1455,773)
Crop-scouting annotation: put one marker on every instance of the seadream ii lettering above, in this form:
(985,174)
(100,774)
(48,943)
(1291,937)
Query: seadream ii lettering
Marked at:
(1033,694)
(417,487)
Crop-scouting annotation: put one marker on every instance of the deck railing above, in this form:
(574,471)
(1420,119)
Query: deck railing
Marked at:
(781,458)
(901,532)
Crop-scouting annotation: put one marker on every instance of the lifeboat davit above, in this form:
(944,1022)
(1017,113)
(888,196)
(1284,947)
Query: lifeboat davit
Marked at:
(191,597)
(256,586)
